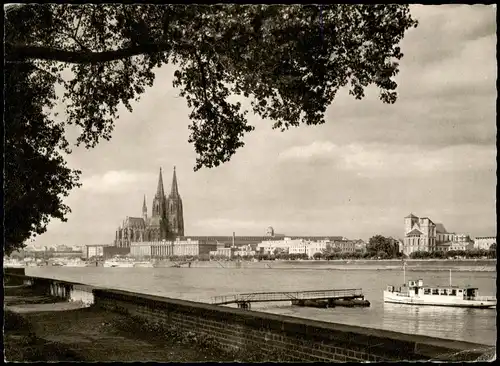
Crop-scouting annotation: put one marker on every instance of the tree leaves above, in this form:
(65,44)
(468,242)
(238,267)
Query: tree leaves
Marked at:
(380,245)
(36,176)
(274,54)
(290,60)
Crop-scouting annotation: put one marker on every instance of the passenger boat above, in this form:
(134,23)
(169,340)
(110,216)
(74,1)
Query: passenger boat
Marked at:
(143,264)
(75,263)
(416,293)
(118,262)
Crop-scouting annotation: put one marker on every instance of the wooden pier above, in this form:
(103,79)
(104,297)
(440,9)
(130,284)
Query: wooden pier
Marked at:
(244,300)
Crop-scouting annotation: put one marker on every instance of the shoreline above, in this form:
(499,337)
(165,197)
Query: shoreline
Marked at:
(363,265)
(412,265)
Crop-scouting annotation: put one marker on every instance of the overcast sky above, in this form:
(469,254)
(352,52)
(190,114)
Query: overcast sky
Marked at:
(433,153)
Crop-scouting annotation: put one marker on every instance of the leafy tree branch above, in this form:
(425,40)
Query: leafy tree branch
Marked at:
(289,60)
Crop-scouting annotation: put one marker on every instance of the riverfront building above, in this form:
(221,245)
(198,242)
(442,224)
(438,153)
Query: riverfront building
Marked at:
(165,249)
(422,234)
(161,234)
(484,242)
(306,246)
(166,221)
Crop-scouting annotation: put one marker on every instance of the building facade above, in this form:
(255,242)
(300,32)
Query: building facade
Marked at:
(165,223)
(344,246)
(223,252)
(420,235)
(484,242)
(245,250)
(94,250)
(166,249)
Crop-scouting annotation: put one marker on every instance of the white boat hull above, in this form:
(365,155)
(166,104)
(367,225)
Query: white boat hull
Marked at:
(118,265)
(452,301)
(144,265)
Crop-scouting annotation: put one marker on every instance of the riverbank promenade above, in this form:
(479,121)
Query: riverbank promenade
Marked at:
(44,328)
(126,326)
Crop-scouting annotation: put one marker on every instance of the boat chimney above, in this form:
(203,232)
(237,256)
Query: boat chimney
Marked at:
(420,283)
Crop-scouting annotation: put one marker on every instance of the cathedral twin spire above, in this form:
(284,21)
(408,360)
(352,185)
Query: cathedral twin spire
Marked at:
(174,191)
(160,192)
(168,208)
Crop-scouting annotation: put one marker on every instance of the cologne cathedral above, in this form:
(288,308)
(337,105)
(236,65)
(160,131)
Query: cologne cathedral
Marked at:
(166,221)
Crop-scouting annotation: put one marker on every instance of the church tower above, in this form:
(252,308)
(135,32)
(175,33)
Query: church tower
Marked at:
(159,217)
(175,214)
(159,208)
(144,210)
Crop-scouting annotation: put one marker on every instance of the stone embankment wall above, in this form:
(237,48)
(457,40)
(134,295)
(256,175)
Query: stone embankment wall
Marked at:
(70,291)
(249,331)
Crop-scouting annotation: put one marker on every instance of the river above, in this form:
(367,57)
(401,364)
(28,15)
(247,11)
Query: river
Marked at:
(200,284)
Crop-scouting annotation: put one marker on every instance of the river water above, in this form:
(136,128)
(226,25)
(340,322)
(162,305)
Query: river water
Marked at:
(200,284)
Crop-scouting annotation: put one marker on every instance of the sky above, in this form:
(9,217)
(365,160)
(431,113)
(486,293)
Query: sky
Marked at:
(432,153)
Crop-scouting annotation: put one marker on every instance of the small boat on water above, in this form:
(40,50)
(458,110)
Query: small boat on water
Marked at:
(143,264)
(416,293)
(118,262)
(75,263)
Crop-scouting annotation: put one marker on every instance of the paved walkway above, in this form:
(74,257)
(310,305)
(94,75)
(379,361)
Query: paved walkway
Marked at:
(62,331)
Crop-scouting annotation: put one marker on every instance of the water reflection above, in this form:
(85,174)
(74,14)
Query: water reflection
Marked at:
(439,321)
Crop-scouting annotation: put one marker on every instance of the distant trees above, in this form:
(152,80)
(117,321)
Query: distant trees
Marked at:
(318,255)
(452,254)
(204,257)
(384,248)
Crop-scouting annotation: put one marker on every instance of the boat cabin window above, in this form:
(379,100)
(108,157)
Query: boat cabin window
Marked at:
(435,291)
(471,292)
(453,293)
(444,291)
(427,291)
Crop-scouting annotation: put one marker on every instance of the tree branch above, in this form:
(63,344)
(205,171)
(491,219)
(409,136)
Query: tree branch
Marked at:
(58,78)
(15,53)
(202,71)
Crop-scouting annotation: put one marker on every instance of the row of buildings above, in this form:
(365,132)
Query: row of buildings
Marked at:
(422,234)
(161,234)
(208,246)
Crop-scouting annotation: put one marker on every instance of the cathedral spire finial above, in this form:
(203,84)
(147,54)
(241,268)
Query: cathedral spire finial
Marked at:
(159,190)
(175,189)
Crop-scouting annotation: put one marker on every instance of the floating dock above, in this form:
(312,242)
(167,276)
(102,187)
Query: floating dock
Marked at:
(315,298)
